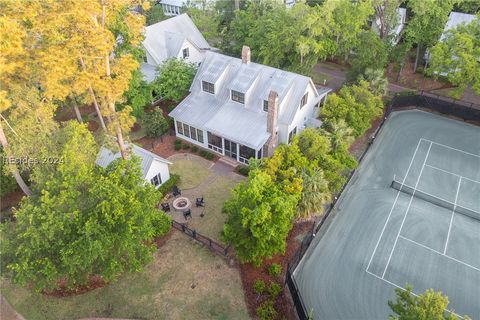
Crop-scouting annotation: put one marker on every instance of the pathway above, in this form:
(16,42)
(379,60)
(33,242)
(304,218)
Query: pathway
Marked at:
(7,312)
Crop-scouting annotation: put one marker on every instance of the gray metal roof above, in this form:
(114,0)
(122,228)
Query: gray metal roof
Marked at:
(164,39)
(245,124)
(106,156)
(148,71)
(455,19)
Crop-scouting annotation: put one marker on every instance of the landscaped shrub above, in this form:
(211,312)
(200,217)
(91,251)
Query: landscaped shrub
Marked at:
(274,289)
(275,269)
(202,153)
(178,144)
(168,185)
(259,287)
(194,149)
(185,146)
(243,170)
(154,123)
(266,311)
(209,156)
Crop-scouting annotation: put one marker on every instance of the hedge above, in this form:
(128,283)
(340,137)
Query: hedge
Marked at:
(168,185)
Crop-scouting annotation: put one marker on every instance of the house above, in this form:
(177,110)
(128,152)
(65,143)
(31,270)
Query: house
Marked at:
(395,33)
(175,7)
(243,110)
(154,168)
(454,20)
(176,37)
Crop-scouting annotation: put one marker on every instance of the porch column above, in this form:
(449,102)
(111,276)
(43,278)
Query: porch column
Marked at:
(238,151)
(223,146)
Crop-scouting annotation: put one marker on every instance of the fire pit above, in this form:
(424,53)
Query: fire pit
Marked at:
(181,203)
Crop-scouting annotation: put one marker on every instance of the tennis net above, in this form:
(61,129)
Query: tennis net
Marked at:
(434,200)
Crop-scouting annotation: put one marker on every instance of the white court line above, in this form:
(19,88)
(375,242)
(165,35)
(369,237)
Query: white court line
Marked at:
(438,252)
(454,174)
(402,288)
(453,215)
(406,211)
(393,206)
(444,145)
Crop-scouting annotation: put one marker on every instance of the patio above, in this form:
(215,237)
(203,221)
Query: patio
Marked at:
(201,178)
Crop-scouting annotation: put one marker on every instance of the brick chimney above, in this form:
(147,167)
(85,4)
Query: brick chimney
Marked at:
(272,118)
(245,54)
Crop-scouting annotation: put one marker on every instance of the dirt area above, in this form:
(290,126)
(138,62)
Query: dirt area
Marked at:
(65,114)
(360,144)
(163,148)
(412,80)
(283,304)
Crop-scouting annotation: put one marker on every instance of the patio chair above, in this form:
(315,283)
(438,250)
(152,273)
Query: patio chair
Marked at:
(199,202)
(176,191)
(165,207)
(187,214)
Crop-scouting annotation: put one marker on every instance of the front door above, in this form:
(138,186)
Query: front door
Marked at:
(230,149)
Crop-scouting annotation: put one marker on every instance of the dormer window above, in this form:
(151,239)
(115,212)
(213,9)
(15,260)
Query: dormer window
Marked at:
(265,105)
(186,53)
(304,100)
(208,87)
(238,97)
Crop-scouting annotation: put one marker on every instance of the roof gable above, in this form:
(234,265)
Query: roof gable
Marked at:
(164,39)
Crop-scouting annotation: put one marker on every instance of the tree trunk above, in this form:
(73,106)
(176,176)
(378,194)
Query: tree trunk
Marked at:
(416,58)
(94,99)
(77,111)
(14,169)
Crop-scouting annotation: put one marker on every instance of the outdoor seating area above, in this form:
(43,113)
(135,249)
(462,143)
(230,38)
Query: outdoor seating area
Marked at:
(182,206)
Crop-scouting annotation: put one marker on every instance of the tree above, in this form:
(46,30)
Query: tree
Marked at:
(430,305)
(340,134)
(426,26)
(155,123)
(86,221)
(458,57)
(377,82)
(315,194)
(207,21)
(154,14)
(387,16)
(138,95)
(7,181)
(356,105)
(174,79)
(370,53)
(259,217)
(312,144)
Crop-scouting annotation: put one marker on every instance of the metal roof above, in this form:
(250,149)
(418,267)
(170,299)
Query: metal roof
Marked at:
(106,156)
(164,39)
(246,123)
(455,19)
(148,72)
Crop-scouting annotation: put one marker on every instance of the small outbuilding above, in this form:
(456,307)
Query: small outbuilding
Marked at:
(154,168)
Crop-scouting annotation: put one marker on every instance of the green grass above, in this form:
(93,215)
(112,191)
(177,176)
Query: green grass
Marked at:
(185,281)
(319,77)
(211,225)
(192,172)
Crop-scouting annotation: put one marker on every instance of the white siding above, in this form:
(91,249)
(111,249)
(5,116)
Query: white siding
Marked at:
(181,136)
(304,113)
(158,167)
(150,59)
(195,55)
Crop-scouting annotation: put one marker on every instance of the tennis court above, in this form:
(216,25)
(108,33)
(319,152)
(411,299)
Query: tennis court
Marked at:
(411,215)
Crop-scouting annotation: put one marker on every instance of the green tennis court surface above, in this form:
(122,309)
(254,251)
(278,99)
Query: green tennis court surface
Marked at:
(411,215)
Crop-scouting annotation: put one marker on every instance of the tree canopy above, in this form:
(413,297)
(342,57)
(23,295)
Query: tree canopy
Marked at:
(458,57)
(174,79)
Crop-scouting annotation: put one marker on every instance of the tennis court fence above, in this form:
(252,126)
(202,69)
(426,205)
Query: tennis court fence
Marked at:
(465,111)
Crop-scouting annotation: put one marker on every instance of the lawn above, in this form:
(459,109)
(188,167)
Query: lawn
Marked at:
(219,190)
(319,77)
(192,169)
(185,281)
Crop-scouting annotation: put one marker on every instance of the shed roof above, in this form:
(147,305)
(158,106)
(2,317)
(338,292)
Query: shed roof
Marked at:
(106,156)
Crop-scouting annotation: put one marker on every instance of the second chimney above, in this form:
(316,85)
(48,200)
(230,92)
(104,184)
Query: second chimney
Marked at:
(245,54)
(272,117)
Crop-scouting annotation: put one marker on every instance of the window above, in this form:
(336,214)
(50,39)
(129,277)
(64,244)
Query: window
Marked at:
(265,105)
(246,153)
(304,100)
(193,133)
(186,130)
(292,134)
(238,96)
(199,135)
(179,127)
(157,180)
(215,142)
(208,87)
(186,53)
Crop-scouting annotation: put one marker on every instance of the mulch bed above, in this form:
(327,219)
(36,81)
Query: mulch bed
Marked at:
(249,273)
(93,125)
(66,114)
(164,149)
(11,199)
(412,80)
